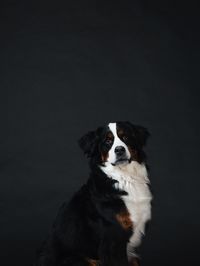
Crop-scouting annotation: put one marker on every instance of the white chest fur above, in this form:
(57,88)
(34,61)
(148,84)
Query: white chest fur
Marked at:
(133,179)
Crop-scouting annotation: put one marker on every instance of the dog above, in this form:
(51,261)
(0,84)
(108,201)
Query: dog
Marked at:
(104,221)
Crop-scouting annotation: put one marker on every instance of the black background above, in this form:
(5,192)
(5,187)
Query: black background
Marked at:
(70,66)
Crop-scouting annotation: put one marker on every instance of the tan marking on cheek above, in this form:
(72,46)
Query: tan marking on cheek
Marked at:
(93,262)
(124,220)
(104,157)
(133,153)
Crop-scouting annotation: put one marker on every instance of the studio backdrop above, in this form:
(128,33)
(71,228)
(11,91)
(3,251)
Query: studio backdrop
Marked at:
(68,67)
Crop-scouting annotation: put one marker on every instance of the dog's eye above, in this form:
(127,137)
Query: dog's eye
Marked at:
(125,137)
(108,141)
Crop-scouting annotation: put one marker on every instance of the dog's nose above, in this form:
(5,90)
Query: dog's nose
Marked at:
(119,150)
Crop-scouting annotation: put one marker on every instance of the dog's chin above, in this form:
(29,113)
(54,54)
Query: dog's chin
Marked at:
(121,162)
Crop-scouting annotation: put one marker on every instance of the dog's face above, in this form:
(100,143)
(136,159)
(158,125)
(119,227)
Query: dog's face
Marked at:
(117,143)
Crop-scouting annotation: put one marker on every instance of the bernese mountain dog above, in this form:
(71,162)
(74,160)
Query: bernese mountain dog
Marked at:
(104,221)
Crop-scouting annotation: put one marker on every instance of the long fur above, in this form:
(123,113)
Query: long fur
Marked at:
(103,222)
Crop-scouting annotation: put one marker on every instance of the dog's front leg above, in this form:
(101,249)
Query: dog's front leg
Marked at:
(134,262)
(113,248)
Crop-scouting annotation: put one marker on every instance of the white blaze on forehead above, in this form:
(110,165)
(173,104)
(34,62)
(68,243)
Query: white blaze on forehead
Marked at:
(117,142)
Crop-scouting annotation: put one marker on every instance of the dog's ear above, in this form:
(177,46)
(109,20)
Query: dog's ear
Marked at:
(140,133)
(88,143)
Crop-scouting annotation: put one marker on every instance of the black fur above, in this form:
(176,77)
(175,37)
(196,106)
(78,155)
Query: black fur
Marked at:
(86,228)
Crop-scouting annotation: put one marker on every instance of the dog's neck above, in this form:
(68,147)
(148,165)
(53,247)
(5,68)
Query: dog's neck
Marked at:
(132,172)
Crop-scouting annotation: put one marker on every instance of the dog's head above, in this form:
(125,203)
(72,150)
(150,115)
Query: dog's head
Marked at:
(117,143)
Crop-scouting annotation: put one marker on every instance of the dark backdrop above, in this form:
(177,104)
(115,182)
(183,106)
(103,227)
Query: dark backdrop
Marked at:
(70,66)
